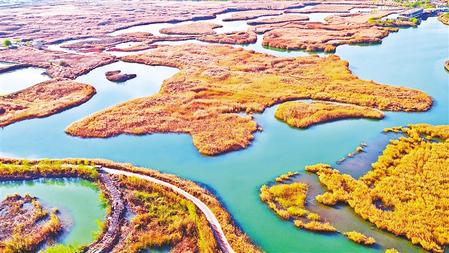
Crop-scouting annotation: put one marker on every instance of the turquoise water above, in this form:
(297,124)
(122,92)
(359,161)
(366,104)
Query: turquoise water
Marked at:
(77,201)
(411,57)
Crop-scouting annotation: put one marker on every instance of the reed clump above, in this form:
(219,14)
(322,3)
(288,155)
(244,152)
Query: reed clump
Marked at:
(303,115)
(406,190)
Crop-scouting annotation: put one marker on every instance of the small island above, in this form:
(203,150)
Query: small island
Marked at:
(303,115)
(197,28)
(42,100)
(360,238)
(118,77)
(288,201)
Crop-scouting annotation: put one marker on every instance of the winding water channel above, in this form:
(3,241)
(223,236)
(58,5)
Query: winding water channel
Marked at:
(412,57)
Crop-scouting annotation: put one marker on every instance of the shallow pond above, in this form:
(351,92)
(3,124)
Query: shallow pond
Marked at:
(411,57)
(77,201)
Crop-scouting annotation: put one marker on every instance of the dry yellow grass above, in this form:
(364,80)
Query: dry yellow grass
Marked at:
(360,238)
(406,190)
(288,201)
(444,18)
(42,100)
(303,115)
(217,82)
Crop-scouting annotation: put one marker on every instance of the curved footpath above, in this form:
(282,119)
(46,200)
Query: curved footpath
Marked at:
(213,221)
(114,222)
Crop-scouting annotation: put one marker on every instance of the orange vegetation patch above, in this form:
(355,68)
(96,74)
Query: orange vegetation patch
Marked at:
(58,64)
(358,18)
(107,42)
(339,30)
(217,82)
(196,28)
(303,115)
(43,99)
(288,201)
(406,190)
(279,19)
(231,38)
(245,15)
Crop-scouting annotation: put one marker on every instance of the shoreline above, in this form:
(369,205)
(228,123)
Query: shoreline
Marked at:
(232,231)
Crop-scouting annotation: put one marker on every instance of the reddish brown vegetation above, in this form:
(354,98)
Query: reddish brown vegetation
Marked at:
(245,15)
(42,100)
(118,76)
(279,19)
(338,30)
(326,8)
(196,28)
(77,19)
(58,64)
(231,38)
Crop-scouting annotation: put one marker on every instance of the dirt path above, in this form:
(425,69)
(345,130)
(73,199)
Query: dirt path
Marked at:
(213,221)
(114,221)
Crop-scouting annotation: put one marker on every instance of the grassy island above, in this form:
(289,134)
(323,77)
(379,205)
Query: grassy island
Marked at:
(197,28)
(230,38)
(217,82)
(160,216)
(405,191)
(303,115)
(288,201)
(42,100)
(360,238)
